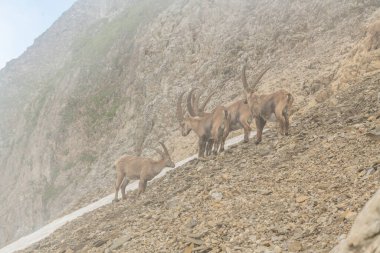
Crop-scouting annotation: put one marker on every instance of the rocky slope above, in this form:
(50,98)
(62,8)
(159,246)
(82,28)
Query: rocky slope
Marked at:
(291,194)
(104,78)
(364,234)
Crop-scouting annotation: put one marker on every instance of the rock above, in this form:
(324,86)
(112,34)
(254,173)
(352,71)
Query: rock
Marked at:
(374,134)
(226,176)
(192,223)
(262,249)
(302,198)
(294,246)
(201,248)
(266,192)
(218,196)
(264,151)
(197,235)
(342,237)
(365,232)
(99,243)
(348,215)
(117,243)
(374,117)
(195,241)
(277,249)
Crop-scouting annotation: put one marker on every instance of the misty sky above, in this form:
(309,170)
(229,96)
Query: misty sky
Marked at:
(21,21)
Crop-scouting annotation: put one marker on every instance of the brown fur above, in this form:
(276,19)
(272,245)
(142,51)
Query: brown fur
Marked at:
(208,128)
(139,168)
(263,107)
(240,117)
(194,109)
(238,112)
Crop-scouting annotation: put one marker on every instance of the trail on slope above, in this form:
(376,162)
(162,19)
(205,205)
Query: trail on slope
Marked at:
(299,193)
(54,225)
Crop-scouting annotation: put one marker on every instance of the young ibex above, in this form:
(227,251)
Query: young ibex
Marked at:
(145,169)
(268,107)
(208,127)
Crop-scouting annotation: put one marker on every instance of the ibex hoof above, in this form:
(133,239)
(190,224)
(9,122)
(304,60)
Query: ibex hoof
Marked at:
(115,200)
(257,142)
(245,141)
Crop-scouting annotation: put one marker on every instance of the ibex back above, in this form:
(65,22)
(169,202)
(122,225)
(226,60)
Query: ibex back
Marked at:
(268,106)
(139,168)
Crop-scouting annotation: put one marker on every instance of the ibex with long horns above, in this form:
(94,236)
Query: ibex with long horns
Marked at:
(268,107)
(194,109)
(209,127)
(145,169)
(238,111)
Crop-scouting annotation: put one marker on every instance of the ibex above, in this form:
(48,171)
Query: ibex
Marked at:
(239,113)
(145,169)
(208,127)
(268,107)
(194,109)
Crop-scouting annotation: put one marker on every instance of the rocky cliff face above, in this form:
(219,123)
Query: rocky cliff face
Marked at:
(104,78)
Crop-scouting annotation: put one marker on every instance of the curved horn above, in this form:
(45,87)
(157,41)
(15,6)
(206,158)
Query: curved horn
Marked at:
(202,108)
(196,102)
(244,79)
(179,107)
(190,108)
(164,147)
(192,99)
(159,152)
(258,78)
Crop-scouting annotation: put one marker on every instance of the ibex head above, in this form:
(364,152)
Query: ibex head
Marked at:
(184,121)
(165,156)
(251,91)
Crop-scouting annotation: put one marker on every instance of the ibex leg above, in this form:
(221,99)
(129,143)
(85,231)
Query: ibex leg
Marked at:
(123,186)
(260,123)
(119,180)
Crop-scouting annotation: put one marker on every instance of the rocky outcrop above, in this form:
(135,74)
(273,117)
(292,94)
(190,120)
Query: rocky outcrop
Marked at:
(364,236)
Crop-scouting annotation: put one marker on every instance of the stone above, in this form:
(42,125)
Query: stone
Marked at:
(218,196)
(294,246)
(302,198)
(99,243)
(117,243)
(277,249)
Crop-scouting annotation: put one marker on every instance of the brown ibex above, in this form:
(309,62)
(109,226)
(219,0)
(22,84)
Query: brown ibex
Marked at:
(194,109)
(145,169)
(208,127)
(239,113)
(268,107)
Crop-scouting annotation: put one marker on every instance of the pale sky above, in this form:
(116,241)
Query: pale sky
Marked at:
(21,21)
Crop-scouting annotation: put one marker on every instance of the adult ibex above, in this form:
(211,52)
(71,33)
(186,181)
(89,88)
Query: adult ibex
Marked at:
(268,107)
(194,109)
(208,127)
(145,169)
(238,111)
